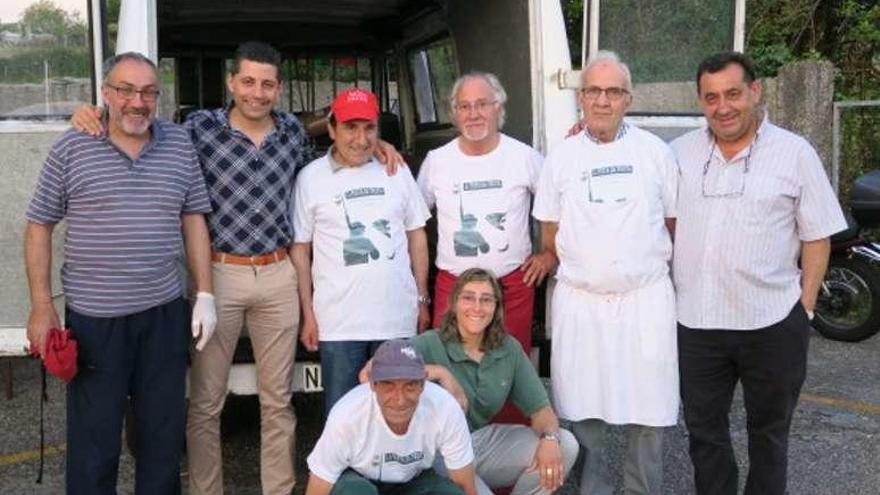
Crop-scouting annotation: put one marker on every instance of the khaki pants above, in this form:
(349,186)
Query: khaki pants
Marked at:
(265,299)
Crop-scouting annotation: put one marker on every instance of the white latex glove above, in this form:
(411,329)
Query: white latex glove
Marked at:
(204,319)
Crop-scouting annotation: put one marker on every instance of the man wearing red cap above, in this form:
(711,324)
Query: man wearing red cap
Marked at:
(367,230)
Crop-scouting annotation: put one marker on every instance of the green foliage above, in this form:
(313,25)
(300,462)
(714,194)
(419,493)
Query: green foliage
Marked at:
(45,17)
(846,32)
(27,66)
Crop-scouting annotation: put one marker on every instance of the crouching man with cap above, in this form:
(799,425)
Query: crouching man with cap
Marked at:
(382,436)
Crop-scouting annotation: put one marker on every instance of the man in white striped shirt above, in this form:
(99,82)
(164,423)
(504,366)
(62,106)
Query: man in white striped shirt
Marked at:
(753,200)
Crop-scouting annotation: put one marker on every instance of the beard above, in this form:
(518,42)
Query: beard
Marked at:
(475,134)
(135,128)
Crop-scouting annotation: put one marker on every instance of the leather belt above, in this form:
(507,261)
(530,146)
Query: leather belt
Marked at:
(258,260)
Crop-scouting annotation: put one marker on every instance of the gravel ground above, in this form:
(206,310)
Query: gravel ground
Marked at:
(834,448)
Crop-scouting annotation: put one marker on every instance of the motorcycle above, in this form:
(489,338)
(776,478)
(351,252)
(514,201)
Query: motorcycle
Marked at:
(848,306)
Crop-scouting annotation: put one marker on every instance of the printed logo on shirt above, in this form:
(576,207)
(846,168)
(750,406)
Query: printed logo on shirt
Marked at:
(479,185)
(358,248)
(614,169)
(404,459)
(468,241)
(364,191)
(610,184)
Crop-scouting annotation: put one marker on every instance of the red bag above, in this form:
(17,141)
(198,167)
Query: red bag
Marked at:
(60,358)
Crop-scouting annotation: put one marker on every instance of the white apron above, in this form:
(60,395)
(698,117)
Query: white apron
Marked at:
(613,311)
(615,355)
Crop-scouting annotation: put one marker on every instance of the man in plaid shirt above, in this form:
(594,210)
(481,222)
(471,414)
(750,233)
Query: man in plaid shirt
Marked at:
(250,154)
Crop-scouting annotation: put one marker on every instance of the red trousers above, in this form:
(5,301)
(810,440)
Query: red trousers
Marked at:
(519,308)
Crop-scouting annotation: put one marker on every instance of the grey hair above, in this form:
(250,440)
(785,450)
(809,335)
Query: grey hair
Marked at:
(497,90)
(603,57)
(113,61)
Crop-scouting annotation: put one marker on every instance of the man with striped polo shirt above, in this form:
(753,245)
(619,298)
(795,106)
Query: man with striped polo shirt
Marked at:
(751,248)
(127,198)
(250,154)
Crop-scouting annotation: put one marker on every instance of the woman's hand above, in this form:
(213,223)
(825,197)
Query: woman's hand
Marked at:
(548,462)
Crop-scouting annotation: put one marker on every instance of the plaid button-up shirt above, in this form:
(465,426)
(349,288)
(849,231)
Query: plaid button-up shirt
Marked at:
(249,187)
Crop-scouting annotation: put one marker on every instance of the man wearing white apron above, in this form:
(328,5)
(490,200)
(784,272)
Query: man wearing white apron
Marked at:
(606,202)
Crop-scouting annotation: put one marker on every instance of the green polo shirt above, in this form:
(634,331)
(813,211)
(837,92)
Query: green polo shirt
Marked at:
(503,374)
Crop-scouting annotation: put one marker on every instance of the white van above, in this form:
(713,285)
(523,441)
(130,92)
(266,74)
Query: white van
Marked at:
(407,51)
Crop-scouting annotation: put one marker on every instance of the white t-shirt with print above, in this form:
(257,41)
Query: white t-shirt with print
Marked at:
(610,201)
(482,204)
(356,219)
(356,436)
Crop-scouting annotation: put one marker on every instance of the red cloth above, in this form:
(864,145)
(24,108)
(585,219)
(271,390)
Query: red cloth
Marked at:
(519,304)
(61,351)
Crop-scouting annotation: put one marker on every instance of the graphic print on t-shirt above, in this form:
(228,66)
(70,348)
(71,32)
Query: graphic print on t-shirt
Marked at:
(468,241)
(358,248)
(609,184)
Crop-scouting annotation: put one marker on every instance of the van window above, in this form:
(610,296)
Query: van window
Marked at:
(312,83)
(434,69)
(45,59)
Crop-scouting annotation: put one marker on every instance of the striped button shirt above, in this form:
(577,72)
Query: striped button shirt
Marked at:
(123,217)
(250,187)
(740,226)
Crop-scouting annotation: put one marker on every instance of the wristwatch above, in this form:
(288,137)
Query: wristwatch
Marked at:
(424,300)
(550,435)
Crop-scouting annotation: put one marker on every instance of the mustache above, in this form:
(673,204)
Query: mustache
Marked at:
(143,112)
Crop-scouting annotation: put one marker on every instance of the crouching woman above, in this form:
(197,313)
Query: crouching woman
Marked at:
(473,357)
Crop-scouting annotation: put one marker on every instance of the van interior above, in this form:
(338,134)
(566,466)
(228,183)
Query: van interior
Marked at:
(408,52)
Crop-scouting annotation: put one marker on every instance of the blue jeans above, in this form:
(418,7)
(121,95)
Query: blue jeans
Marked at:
(341,361)
(142,358)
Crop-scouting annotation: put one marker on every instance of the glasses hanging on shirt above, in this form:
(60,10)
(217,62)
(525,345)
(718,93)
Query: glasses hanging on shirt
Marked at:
(726,180)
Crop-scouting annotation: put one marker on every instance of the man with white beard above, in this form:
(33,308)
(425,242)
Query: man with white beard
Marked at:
(482,183)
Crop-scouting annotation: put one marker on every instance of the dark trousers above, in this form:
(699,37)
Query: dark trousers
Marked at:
(142,357)
(771,364)
(426,483)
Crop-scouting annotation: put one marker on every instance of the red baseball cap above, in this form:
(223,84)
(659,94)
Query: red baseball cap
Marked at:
(355,103)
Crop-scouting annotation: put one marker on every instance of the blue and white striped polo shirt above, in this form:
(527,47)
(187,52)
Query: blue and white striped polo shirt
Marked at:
(123,217)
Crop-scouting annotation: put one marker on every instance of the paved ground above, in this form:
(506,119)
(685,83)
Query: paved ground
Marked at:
(835,444)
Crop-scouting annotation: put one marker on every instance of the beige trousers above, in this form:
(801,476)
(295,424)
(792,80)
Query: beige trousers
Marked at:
(264,298)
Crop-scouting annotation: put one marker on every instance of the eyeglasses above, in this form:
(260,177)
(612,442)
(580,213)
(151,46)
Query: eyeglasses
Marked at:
(726,188)
(128,92)
(612,93)
(480,106)
(472,300)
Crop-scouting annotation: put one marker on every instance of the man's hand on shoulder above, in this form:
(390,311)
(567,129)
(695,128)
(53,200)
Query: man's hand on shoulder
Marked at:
(388,155)
(87,119)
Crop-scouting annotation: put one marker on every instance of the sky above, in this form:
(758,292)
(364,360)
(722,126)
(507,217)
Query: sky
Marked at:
(10,10)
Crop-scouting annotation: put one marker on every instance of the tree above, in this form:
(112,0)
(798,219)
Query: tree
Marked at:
(44,17)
